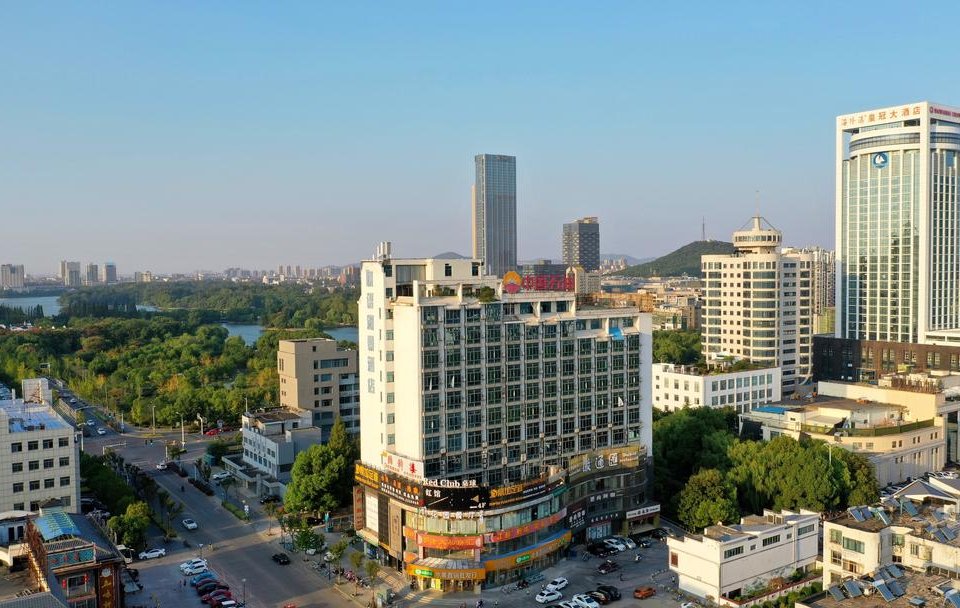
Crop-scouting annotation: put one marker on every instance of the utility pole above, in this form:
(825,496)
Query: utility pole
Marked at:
(183,434)
(153,408)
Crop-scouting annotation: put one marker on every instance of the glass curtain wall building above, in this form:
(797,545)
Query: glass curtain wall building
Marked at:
(898,224)
(495,213)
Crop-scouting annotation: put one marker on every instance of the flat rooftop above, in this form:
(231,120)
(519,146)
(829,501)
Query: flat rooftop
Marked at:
(274,416)
(28,417)
(929,521)
(909,590)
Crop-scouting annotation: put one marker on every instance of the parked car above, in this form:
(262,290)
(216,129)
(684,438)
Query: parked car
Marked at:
(153,553)
(557,584)
(101,431)
(218,595)
(269,498)
(645,544)
(612,592)
(210,587)
(585,601)
(602,598)
(281,558)
(548,595)
(218,477)
(642,593)
(225,604)
(197,561)
(607,567)
(161,466)
(614,543)
(194,570)
(206,576)
(190,524)
(628,543)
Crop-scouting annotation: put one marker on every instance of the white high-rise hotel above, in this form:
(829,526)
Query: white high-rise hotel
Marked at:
(898,224)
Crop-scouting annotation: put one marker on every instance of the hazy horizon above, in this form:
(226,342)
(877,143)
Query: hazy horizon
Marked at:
(171,138)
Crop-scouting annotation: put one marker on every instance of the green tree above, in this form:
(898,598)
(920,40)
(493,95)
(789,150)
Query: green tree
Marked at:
(707,499)
(317,480)
(357,561)
(371,568)
(131,527)
(677,346)
(337,550)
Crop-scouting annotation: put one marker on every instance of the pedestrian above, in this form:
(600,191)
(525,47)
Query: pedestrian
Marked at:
(621,577)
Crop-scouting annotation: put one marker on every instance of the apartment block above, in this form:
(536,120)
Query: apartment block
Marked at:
(581,244)
(499,423)
(681,386)
(39,457)
(12,276)
(319,377)
(735,565)
(70,274)
(759,303)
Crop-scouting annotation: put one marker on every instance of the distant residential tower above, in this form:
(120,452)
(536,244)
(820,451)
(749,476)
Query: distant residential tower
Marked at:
(581,243)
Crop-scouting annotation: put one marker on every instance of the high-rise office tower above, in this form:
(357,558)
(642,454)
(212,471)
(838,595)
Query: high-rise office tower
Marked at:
(759,303)
(108,274)
(581,244)
(12,276)
(70,273)
(502,416)
(93,274)
(898,229)
(495,213)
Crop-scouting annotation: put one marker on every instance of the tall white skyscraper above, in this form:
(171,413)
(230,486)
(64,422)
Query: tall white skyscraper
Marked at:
(495,213)
(759,303)
(898,224)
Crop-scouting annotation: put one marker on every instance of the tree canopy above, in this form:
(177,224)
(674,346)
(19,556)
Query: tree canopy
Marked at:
(322,475)
(676,346)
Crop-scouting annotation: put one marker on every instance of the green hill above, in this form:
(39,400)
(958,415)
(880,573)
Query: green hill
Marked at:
(683,261)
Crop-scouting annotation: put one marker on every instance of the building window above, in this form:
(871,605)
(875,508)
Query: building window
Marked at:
(853,545)
(18,487)
(16,447)
(806,529)
(673,559)
(48,483)
(64,481)
(836,536)
(48,463)
(63,442)
(17,467)
(48,444)
(732,552)
(35,485)
(771,540)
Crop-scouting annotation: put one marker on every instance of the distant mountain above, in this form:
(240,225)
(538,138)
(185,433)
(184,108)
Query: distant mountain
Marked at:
(632,261)
(449,255)
(683,261)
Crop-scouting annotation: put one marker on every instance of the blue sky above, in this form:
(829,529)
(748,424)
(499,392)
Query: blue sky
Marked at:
(174,136)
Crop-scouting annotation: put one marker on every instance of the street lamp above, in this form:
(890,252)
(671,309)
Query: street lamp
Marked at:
(183,436)
(153,408)
(244,599)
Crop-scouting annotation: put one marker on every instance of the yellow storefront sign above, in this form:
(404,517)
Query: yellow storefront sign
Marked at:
(506,563)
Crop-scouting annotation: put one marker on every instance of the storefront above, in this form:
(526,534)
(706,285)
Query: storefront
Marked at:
(515,566)
(426,575)
(643,520)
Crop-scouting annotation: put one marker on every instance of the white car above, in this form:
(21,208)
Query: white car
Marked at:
(629,544)
(548,595)
(161,466)
(557,584)
(567,605)
(101,431)
(193,563)
(195,570)
(153,553)
(614,544)
(220,476)
(91,422)
(585,601)
(189,524)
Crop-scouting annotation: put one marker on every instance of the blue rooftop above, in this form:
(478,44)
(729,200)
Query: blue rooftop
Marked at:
(771,409)
(56,525)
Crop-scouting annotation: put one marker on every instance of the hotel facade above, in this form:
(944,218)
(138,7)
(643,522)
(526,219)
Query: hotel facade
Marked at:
(497,425)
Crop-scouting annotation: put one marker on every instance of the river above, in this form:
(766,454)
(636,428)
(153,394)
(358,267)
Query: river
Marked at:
(250,332)
(50,304)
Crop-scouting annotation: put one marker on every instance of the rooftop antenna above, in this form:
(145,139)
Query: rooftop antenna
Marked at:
(703,229)
(757,199)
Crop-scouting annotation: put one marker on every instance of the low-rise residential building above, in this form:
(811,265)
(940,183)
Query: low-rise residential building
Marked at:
(271,441)
(898,425)
(680,386)
(890,587)
(750,562)
(916,529)
(321,378)
(39,457)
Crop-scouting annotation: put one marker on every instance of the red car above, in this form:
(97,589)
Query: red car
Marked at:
(216,596)
(212,432)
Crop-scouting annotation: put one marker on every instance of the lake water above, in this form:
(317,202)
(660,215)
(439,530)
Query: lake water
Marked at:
(250,333)
(50,304)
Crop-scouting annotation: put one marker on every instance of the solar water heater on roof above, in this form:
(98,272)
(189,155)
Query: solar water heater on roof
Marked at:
(836,593)
(852,588)
(909,507)
(895,587)
(855,513)
(883,590)
(895,570)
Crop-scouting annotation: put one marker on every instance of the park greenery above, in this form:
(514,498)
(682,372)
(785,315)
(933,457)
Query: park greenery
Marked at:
(322,475)
(679,347)
(285,305)
(14,315)
(705,474)
(162,364)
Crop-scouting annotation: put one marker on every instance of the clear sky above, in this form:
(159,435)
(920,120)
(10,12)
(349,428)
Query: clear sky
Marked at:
(174,136)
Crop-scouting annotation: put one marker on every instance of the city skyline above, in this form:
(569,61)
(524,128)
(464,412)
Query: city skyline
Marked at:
(129,133)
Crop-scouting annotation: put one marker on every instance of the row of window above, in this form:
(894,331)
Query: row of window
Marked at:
(34,465)
(35,484)
(17,446)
